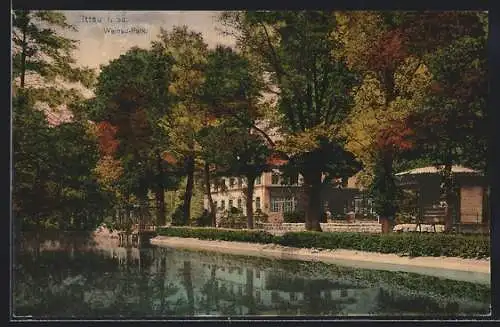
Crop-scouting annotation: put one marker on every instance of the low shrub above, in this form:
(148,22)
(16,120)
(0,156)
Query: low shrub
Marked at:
(261,217)
(178,216)
(408,244)
(203,220)
(233,218)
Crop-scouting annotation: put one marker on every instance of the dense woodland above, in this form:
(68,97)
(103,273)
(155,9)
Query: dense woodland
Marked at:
(367,93)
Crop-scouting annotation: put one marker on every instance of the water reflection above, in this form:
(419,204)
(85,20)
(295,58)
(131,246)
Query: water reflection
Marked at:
(90,279)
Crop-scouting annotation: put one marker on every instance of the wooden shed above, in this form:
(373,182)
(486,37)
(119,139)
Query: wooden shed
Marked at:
(470,206)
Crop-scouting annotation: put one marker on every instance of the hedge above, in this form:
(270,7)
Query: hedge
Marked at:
(409,244)
(251,236)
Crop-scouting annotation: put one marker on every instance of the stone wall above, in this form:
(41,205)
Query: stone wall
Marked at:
(362,227)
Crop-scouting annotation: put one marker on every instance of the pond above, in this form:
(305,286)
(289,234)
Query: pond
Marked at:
(78,277)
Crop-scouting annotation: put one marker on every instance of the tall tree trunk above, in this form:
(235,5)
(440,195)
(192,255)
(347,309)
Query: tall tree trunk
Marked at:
(188,194)
(188,284)
(447,194)
(160,193)
(249,199)
(249,287)
(388,215)
(386,219)
(128,212)
(206,170)
(24,48)
(312,182)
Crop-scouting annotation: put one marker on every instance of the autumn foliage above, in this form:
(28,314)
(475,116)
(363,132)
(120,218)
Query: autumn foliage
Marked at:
(396,135)
(106,133)
(388,51)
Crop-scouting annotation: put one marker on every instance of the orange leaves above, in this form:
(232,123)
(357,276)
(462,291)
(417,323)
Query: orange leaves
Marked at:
(106,133)
(170,158)
(108,170)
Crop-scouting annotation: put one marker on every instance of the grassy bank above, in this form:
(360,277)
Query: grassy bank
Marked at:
(409,244)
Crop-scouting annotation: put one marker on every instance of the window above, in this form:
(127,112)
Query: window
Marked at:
(223,183)
(240,182)
(283,204)
(257,203)
(239,203)
(230,206)
(343,293)
(222,204)
(294,180)
(215,204)
(275,179)
(293,297)
(257,274)
(231,182)
(257,180)
(257,296)
(363,205)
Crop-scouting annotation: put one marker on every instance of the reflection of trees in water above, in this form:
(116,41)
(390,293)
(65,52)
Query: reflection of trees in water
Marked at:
(88,285)
(317,299)
(163,282)
(188,285)
(390,302)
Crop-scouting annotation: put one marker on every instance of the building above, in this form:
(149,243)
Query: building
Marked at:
(471,199)
(276,195)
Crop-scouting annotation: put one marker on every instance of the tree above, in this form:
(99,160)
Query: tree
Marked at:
(131,95)
(53,165)
(43,59)
(456,133)
(313,91)
(187,114)
(55,186)
(247,155)
(391,51)
(232,95)
(31,145)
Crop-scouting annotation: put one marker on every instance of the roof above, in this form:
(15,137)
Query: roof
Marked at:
(434,170)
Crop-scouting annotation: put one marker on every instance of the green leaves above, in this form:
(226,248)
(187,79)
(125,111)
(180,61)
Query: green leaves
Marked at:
(54,180)
(42,58)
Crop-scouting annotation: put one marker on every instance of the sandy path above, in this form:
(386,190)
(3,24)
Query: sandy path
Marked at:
(473,270)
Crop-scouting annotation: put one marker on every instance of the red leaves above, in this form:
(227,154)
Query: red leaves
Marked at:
(106,133)
(387,52)
(397,136)
(436,88)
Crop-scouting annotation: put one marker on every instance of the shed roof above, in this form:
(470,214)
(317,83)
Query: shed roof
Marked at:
(435,170)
